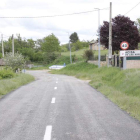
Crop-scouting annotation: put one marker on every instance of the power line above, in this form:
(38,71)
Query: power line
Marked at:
(132,8)
(57,15)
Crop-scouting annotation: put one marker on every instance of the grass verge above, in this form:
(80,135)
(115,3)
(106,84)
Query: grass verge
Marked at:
(8,85)
(120,86)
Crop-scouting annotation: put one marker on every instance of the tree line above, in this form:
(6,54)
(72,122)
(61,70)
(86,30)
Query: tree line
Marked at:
(46,49)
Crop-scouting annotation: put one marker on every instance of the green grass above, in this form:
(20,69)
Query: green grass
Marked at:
(8,85)
(80,52)
(65,58)
(120,86)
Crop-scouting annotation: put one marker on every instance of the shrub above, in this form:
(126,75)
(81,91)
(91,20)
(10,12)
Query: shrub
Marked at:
(74,58)
(88,54)
(15,62)
(6,73)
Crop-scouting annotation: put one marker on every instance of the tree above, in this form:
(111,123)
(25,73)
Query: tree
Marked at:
(50,44)
(123,29)
(138,24)
(74,37)
(31,43)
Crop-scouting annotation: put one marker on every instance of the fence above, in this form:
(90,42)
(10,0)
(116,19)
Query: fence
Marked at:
(117,61)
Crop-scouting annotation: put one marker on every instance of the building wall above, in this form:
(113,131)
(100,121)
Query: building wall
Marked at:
(133,64)
(95,47)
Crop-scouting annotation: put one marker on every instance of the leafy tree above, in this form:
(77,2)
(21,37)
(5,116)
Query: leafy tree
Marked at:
(123,29)
(15,62)
(138,24)
(50,44)
(64,47)
(28,52)
(31,43)
(74,37)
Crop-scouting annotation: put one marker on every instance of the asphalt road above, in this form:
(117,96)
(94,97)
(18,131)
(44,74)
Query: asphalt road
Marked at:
(57,107)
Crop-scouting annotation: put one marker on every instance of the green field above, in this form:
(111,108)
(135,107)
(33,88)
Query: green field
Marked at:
(79,53)
(120,86)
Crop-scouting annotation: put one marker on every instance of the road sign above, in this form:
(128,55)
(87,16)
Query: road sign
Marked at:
(124,45)
(130,53)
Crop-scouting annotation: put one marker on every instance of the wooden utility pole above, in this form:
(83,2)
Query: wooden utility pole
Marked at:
(2,45)
(110,37)
(13,44)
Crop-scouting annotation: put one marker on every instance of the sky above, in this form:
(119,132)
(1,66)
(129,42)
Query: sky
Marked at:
(85,24)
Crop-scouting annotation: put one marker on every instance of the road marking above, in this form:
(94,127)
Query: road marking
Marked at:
(55,87)
(48,132)
(56,82)
(53,100)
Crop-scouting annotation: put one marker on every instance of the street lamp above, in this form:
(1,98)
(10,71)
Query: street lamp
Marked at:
(99,36)
(70,49)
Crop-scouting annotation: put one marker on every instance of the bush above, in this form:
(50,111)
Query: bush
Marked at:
(6,74)
(74,58)
(88,54)
(50,57)
(15,62)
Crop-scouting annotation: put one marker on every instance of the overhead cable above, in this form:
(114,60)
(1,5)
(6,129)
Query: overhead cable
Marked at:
(132,8)
(57,15)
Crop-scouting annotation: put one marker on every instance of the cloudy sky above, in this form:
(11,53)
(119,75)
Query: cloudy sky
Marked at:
(85,25)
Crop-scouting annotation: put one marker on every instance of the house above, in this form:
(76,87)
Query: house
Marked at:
(93,45)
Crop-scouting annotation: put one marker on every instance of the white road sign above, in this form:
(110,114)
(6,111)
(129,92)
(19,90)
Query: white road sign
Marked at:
(130,53)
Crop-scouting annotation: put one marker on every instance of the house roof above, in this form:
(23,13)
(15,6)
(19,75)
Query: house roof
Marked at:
(92,42)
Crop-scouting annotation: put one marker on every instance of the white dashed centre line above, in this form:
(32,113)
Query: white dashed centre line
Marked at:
(53,100)
(48,132)
(55,87)
(56,82)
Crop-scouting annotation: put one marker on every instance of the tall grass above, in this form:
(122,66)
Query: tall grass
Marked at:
(120,86)
(8,85)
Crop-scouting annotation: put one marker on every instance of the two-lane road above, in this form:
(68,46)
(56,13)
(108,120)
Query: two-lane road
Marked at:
(58,107)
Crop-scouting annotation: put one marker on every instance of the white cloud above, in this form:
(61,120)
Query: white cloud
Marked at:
(85,25)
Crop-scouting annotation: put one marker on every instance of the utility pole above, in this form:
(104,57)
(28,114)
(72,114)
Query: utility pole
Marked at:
(110,37)
(2,45)
(13,44)
(69,48)
(70,52)
(98,37)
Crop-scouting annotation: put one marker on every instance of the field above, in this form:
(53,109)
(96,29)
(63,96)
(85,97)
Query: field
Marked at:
(120,86)
(81,52)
